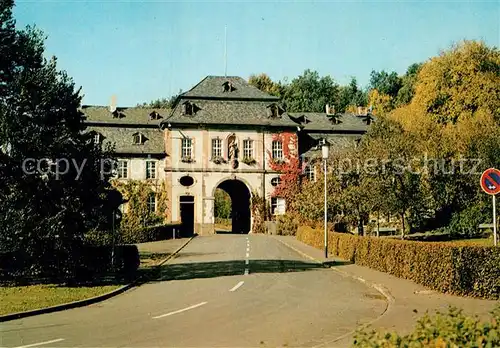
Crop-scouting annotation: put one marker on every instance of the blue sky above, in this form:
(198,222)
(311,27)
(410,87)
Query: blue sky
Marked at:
(143,50)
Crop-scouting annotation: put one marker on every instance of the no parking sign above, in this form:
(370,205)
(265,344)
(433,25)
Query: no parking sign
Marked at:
(490,183)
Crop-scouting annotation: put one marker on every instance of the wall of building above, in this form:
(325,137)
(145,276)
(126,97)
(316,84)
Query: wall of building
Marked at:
(208,175)
(137,167)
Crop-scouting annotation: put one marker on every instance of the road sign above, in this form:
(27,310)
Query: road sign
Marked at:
(490,181)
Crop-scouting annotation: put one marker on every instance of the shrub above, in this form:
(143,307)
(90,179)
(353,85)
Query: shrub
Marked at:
(259,212)
(465,224)
(96,260)
(456,268)
(127,259)
(99,237)
(144,234)
(88,262)
(286,225)
(453,329)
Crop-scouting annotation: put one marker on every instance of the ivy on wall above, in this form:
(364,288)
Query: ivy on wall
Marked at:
(138,213)
(289,169)
(259,213)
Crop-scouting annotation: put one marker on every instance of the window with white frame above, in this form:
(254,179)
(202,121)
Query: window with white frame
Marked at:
(247,148)
(310,172)
(122,169)
(187,148)
(152,202)
(278,206)
(150,169)
(216,148)
(277,147)
(97,138)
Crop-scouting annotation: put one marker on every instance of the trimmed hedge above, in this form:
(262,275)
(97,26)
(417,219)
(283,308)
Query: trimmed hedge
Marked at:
(150,234)
(84,263)
(460,269)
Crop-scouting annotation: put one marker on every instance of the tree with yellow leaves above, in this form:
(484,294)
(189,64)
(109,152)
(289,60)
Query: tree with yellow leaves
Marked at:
(460,82)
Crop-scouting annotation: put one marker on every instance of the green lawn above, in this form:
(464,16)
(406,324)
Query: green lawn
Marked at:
(23,298)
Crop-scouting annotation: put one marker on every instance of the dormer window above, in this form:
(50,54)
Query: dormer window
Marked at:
(303,119)
(274,110)
(97,138)
(154,116)
(334,119)
(228,87)
(139,139)
(187,108)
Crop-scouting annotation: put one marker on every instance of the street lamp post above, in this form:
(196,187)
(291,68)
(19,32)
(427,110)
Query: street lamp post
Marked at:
(324,152)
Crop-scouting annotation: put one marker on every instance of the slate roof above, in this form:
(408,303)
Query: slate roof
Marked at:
(230,112)
(211,87)
(336,141)
(130,115)
(320,122)
(122,137)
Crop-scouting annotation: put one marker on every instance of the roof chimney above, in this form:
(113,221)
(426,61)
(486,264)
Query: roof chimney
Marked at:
(112,104)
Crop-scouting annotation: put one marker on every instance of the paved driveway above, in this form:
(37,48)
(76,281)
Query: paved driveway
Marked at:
(221,291)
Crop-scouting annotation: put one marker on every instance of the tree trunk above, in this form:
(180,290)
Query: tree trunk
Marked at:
(403,221)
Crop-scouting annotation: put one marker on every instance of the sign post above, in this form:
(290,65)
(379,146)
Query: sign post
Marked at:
(494,221)
(490,183)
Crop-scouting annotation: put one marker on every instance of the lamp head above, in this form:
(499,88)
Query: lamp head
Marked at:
(325,147)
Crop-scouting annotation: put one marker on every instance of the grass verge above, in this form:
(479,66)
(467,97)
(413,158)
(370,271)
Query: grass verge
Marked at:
(149,259)
(24,298)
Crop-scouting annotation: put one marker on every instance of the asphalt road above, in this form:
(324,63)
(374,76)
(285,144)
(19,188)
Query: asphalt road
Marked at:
(221,291)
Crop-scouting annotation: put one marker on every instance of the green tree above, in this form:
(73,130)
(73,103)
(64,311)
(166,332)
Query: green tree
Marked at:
(265,84)
(43,212)
(222,204)
(161,103)
(351,95)
(408,81)
(386,83)
(310,92)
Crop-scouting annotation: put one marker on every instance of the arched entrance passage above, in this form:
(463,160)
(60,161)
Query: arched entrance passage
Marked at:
(240,204)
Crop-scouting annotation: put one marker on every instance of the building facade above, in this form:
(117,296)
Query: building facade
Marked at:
(137,141)
(222,133)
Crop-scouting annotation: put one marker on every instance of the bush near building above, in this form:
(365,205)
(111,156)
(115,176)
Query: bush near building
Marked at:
(456,268)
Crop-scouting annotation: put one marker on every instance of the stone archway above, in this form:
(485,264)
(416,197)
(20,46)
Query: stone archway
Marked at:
(240,204)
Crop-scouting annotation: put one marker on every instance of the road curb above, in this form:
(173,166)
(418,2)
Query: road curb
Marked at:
(88,301)
(298,251)
(378,287)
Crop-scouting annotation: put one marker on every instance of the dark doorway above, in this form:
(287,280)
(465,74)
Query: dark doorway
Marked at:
(187,215)
(240,205)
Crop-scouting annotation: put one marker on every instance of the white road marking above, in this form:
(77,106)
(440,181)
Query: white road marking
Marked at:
(248,249)
(248,255)
(246,271)
(247,261)
(180,310)
(237,286)
(42,343)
